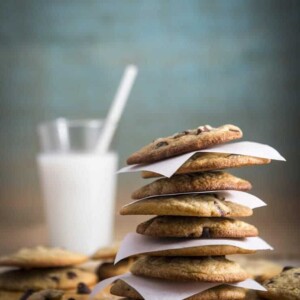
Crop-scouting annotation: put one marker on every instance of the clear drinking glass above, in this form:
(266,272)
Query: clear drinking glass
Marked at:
(78,184)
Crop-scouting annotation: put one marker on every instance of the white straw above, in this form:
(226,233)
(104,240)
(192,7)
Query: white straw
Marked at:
(116,109)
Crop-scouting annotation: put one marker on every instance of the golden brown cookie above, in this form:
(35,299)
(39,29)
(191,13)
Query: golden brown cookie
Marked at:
(122,289)
(47,295)
(186,141)
(214,250)
(42,257)
(108,269)
(207,161)
(195,227)
(194,182)
(109,252)
(10,295)
(39,279)
(285,286)
(212,269)
(198,205)
(260,269)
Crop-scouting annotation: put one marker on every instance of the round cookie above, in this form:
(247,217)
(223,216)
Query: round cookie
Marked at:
(212,269)
(39,279)
(109,252)
(108,269)
(285,286)
(194,182)
(260,269)
(186,141)
(122,289)
(42,257)
(198,205)
(207,161)
(216,250)
(10,295)
(195,227)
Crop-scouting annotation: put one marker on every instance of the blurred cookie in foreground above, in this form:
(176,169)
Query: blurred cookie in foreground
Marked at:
(39,279)
(82,293)
(193,182)
(183,142)
(208,161)
(42,257)
(122,289)
(284,286)
(108,269)
(260,269)
(108,252)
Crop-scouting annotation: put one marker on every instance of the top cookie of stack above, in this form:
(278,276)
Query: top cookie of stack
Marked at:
(182,212)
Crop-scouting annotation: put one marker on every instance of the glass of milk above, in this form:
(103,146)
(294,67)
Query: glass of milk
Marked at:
(78,184)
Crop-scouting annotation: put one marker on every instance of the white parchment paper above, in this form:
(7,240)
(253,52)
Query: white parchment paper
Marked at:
(238,197)
(168,167)
(156,289)
(134,244)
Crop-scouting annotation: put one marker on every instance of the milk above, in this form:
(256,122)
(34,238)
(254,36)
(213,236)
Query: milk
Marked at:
(79,196)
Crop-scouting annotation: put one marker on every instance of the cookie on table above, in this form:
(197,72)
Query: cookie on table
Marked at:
(212,250)
(122,289)
(108,252)
(260,269)
(213,269)
(42,257)
(183,142)
(197,205)
(284,286)
(108,269)
(207,161)
(82,293)
(194,182)
(40,279)
(195,227)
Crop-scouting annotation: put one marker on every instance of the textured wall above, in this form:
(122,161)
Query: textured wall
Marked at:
(200,62)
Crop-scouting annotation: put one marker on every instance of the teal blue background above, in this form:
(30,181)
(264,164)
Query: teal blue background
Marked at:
(200,62)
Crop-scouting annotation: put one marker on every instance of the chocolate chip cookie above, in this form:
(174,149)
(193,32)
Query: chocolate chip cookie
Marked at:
(39,279)
(109,269)
(213,269)
(212,250)
(194,227)
(260,269)
(183,142)
(200,162)
(122,289)
(109,252)
(285,286)
(42,257)
(194,182)
(198,205)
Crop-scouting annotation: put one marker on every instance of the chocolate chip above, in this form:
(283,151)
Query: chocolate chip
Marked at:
(161,144)
(27,294)
(205,233)
(221,211)
(71,299)
(82,288)
(71,275)
(270,282)
(296,274)
(55,278)
(287,268)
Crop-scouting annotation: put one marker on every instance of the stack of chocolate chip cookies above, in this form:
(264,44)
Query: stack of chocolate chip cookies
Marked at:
(189,205)
(52,271)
